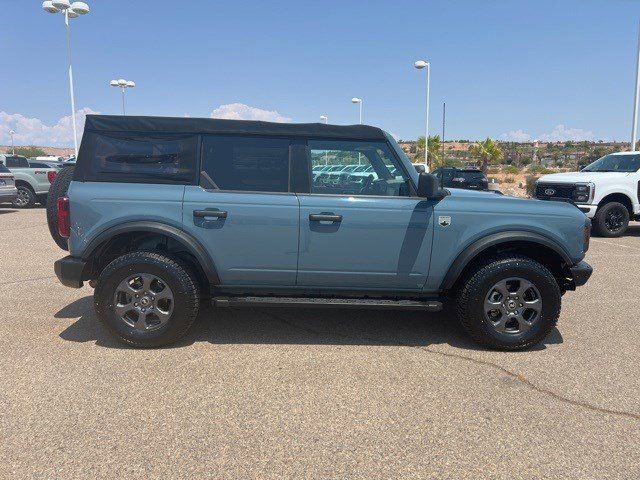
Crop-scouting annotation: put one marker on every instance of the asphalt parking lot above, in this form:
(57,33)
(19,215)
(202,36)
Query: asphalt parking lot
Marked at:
(313,393)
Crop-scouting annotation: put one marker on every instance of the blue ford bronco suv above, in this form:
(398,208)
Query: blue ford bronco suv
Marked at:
(161,214)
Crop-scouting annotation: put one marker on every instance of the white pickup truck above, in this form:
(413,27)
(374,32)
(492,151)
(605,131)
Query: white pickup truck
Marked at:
(32,183)
(607,191)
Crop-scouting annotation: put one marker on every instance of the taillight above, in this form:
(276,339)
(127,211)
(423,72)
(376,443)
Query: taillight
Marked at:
(64,221)
(51,176)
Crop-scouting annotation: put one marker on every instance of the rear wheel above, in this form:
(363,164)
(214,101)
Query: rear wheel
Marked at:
(509,303)
(26,197)
(58,189)
(147,299)
(611,220)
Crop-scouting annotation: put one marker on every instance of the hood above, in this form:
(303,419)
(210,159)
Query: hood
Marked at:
(572,177)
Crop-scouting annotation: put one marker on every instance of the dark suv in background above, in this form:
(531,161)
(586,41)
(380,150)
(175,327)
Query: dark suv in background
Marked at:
(470,178)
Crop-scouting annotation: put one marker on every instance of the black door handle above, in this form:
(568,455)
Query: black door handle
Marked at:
(324,217)
(209,213)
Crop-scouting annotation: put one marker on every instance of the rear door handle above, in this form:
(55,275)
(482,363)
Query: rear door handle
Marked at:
(324,217)
(209,213)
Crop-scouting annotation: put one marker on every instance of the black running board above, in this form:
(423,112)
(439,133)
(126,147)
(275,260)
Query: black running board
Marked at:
(319,302)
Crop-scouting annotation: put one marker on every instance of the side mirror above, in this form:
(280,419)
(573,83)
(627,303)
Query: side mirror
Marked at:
(429,187)
(581,166)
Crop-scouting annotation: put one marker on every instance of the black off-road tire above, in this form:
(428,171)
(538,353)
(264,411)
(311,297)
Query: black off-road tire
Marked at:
(58,189)
(26,197)
(611,220)
(473,291)
(177,275)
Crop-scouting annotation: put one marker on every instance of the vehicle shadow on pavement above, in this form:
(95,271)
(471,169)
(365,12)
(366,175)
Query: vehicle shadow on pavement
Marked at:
(633,231)
(296,327)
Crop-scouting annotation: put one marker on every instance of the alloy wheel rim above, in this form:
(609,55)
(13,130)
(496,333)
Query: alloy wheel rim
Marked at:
(512,306)
(614,219)
(22,198)
(143,301)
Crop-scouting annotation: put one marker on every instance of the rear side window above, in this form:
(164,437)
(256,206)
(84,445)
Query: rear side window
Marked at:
(17,162)
(245,163)
(140,158)
(4,169)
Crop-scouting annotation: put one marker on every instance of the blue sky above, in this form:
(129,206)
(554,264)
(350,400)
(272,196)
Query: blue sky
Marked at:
(507,69)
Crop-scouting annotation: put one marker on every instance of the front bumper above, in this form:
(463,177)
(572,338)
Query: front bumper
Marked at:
(8,195)
(580,273)
(588,210)
(69,271)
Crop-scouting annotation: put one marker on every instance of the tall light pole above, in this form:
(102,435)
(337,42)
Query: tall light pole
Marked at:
(69,10)
(359,102)
(122,83)
(420,64)
(324,119)
(13,148)
(634,128)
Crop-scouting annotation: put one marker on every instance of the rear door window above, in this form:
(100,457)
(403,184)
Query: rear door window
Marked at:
(244,163)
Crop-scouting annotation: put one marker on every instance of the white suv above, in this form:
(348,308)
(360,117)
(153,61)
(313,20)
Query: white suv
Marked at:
(607,191)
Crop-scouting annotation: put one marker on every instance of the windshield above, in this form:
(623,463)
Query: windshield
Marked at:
(615,163)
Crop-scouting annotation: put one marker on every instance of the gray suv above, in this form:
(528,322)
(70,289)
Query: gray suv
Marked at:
(162,214)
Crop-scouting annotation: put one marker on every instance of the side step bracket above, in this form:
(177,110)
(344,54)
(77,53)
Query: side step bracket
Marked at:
(320,302)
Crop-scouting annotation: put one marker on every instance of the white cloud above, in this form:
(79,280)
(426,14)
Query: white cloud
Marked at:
(516,136)
(561,134)
(240,111)
(33,131)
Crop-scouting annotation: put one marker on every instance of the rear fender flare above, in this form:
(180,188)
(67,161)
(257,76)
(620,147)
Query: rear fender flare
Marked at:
(192,245)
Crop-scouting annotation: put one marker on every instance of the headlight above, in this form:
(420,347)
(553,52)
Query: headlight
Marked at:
(584,192)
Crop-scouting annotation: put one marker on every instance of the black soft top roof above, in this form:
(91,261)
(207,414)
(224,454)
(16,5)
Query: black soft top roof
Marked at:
(118,123)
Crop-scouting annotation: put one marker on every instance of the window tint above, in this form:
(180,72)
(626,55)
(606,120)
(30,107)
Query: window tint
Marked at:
(247,163)
(470,175)
(3,169)
(38,165)
(356,168)
(17,162)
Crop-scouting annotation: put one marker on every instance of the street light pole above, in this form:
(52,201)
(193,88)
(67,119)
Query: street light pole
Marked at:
(420,64)
(69,10)
(359,102)
(634,128)
(13,148)
(122,83)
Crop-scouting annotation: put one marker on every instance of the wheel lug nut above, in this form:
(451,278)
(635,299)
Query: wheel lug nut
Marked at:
(135,304)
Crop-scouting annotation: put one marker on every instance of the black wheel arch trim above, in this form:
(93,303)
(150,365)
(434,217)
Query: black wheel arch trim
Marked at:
(477,247)
(194,247)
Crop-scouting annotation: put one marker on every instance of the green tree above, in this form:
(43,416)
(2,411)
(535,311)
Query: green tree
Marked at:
(486,153)
(435,153)
(30,151)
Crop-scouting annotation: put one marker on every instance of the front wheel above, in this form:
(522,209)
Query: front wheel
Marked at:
(509,303)
(147,299)
(611,220)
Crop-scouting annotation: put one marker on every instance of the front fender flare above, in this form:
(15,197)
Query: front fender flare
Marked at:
(477,247)
(193,246)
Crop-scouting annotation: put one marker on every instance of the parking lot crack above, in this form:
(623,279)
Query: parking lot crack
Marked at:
(484,363)
(35,279)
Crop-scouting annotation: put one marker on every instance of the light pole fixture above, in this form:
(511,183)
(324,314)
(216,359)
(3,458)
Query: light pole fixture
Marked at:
(420,64)
(634,127)
(324,118)
(69,10)
(122,83)
(358,101)
(13,148)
